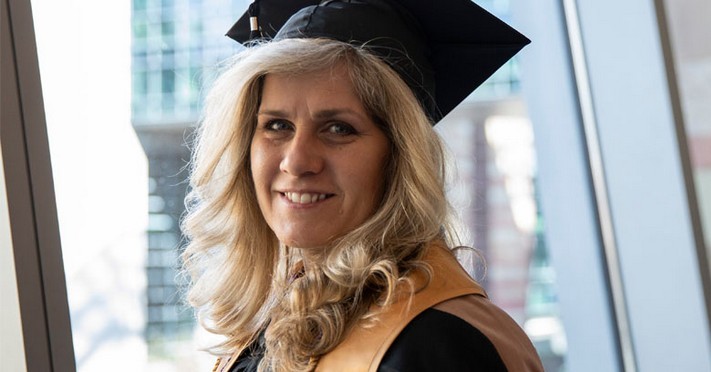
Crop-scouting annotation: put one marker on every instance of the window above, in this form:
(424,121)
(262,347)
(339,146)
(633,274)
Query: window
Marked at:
(119,107)
(692,60)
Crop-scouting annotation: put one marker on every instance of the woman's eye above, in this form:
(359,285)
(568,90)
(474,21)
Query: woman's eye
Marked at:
(277,125)
(341,129)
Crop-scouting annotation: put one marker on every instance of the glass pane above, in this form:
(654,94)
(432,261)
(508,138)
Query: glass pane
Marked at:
(100,176)
(689,29)
(495,194)
(13,350)
(119,105)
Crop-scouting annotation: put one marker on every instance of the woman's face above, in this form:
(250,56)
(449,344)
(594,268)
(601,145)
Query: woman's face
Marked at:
(317,158)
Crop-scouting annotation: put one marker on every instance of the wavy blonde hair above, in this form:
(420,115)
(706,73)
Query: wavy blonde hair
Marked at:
(242,280)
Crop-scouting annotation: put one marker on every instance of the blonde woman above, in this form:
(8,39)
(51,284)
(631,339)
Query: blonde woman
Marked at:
(318,224)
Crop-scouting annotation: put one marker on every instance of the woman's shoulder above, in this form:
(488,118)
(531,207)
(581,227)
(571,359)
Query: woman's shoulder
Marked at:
(439,341)
(464,333)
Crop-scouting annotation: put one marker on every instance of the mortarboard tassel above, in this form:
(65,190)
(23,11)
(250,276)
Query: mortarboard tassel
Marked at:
(254,29)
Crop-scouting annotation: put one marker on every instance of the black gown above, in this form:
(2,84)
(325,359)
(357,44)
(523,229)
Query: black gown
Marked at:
(432,341)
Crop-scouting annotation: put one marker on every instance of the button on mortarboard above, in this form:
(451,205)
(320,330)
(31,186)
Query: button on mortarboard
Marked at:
(452,46)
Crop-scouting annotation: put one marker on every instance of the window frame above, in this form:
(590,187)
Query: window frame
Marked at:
(39,269)
(609,181)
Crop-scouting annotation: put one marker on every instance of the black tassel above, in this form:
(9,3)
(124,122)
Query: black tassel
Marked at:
(255,32)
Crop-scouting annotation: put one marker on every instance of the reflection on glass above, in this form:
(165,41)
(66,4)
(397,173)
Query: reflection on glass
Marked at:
(492,143)
(689,30)
(543,323)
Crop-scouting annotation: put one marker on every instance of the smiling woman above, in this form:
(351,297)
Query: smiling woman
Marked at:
(317,158)
(318,208)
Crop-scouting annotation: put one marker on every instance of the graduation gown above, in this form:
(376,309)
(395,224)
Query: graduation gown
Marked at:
(450,325)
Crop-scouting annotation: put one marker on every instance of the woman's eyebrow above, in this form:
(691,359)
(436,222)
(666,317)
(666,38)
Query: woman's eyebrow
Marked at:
(330,113)
(321,114)
(270,112)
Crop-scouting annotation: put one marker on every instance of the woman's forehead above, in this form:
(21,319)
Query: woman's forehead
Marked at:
(322,93)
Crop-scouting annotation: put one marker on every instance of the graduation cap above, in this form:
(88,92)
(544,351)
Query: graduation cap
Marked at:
(443,49)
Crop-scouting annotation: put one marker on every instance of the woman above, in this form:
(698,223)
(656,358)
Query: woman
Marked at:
(318,222)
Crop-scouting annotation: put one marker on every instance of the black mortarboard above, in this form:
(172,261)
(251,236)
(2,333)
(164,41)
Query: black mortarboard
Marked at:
(443,49)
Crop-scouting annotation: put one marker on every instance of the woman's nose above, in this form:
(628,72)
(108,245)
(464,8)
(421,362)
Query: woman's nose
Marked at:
(302,156)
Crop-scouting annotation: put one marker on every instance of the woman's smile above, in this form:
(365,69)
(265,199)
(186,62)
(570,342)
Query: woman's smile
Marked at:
(305,198)
(317,157)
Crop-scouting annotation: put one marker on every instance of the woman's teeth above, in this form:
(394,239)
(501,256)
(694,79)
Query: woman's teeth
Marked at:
(304,198)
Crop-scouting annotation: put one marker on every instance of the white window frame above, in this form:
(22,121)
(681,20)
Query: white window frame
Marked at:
(620,218)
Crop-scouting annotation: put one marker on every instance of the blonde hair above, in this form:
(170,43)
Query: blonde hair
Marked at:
(242,280)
